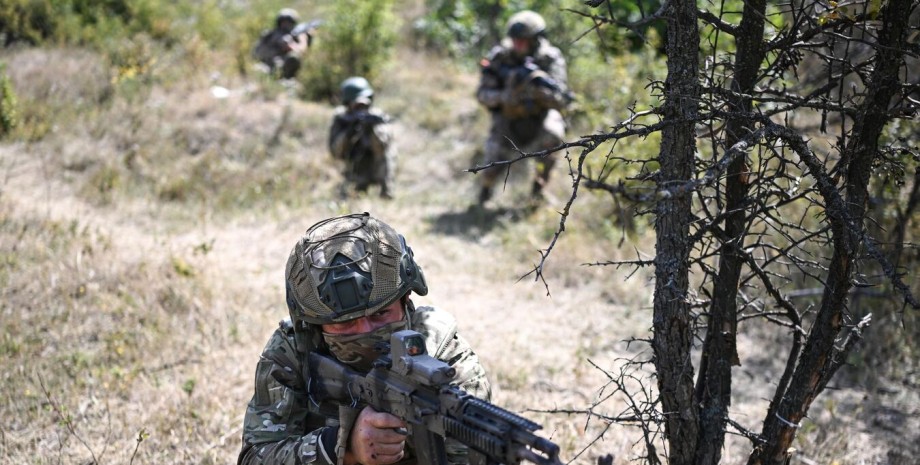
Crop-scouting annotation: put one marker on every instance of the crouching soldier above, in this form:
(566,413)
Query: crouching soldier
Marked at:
(349,283)
(361,137)
(282,48)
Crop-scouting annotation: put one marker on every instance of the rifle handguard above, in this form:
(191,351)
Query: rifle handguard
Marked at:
(415,387)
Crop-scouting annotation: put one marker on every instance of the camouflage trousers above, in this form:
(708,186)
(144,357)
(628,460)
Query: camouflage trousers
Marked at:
(528,136)
(372,168)
(288,65)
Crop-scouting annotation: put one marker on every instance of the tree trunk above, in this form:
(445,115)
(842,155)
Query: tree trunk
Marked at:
(720,350)
(672,322)
(820,358)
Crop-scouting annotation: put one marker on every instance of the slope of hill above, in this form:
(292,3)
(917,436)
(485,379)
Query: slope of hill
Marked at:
(143,238)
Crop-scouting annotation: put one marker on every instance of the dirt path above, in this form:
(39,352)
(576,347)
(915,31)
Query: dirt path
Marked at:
(539,350)
(535,347)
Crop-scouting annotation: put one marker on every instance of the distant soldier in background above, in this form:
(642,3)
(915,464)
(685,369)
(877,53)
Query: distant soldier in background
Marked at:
(361,137)
(524,86)
(282,48)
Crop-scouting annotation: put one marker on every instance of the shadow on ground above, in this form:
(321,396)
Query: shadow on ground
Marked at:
(476,221)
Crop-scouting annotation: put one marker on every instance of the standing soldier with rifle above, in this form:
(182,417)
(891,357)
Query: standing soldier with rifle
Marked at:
(329,390)
(361,137)
(282,48)
(524,86)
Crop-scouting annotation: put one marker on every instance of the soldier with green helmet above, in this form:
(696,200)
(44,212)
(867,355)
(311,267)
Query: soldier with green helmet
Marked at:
(281,49)
(524,86)
(361,137)
(348,282)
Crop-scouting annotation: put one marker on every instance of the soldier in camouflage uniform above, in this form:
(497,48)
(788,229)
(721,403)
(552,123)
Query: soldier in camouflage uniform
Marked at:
(361,137)
(348,284)
(524,86)
(281,49)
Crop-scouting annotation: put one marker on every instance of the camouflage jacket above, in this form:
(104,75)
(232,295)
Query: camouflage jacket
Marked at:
(283,426)
(528,87)
(277,43)
(354,135)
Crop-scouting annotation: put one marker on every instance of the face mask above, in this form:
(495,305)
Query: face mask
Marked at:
(358,350)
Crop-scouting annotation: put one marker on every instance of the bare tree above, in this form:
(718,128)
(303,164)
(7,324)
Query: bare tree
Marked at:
(768,156)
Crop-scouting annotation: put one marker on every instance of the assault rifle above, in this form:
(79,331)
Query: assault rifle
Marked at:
(529,72)
(363,118)
(414,386)
(306,28)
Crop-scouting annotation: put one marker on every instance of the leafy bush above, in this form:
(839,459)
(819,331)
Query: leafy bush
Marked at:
(356,40)
(26,20)
(459,28)
(100,23)
(468,28)
(8,110)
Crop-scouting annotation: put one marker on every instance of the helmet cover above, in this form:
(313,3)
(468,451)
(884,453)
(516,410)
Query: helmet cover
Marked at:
(525,24)
(348,267)
(289,14)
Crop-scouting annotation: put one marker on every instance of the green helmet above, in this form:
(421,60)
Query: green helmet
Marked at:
(356,89)
(348,267)
(526,25)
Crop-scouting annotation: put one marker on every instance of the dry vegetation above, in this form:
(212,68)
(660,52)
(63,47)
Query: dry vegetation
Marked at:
(142,243)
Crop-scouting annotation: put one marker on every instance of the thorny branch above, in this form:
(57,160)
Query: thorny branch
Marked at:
(65,419)
(640,410)
(795,212)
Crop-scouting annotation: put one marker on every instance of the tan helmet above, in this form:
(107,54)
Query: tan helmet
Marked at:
(288,14)
(526,24)
(348,267)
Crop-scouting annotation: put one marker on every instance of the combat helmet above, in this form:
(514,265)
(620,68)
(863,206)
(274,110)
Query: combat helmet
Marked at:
(526,24)
(287,14)
(356,89)
(348,267)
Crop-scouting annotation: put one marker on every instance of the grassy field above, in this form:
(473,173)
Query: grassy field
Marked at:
(143,234)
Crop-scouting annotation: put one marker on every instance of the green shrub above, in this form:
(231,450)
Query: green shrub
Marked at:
(30,21)
(356,40)
(96,23)
(8,104)
(459,28)
(468,28)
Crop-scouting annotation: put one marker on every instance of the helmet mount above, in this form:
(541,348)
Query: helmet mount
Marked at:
(346,288)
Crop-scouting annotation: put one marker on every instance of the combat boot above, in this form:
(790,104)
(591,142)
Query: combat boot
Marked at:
(536,191)
(485,193)
(385,192)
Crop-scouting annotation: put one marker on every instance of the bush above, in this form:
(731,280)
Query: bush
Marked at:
(468,28)
(8,111)
(356,40)
(99,23)
(25,21)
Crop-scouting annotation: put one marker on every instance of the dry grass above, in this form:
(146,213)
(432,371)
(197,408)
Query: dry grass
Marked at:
(142,243)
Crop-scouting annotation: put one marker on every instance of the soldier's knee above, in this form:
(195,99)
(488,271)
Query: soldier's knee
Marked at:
(290,67)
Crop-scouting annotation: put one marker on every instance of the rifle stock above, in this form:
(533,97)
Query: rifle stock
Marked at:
(414,386)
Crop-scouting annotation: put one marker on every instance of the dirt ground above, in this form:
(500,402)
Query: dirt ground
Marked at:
(539,349)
